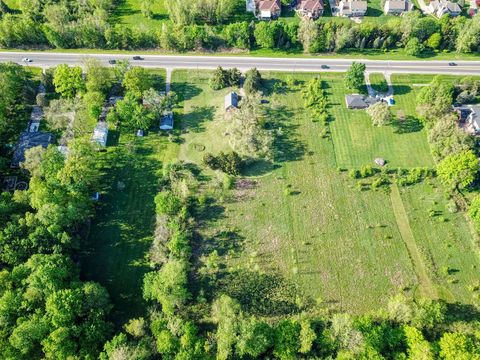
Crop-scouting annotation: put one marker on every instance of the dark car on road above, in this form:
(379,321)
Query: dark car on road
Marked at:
(136,57)
(112,61)
(325,67)
(452,64)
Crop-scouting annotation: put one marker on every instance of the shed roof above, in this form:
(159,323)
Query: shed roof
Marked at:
(27,141)
(231,100)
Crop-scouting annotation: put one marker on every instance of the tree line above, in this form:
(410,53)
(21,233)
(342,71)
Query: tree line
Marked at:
(207,25)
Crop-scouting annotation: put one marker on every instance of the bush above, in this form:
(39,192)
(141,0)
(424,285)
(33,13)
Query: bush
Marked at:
(167,203)
(222,78)
(230,163)
(253,81)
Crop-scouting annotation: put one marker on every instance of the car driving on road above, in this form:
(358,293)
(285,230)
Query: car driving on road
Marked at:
(27,60)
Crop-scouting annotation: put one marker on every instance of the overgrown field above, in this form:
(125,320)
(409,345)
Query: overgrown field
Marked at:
(306,221)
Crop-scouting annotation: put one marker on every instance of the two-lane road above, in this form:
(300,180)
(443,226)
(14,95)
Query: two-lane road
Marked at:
(46,59)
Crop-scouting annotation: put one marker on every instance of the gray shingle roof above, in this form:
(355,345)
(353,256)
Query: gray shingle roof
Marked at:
(27,141)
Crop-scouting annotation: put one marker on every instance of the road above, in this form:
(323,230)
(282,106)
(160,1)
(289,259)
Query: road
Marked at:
(45,59)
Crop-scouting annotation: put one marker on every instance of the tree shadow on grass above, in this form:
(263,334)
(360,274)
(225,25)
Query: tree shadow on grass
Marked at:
(122,230)
(401,89)
(185,91)
(408,125)
(195,119)
(287,145)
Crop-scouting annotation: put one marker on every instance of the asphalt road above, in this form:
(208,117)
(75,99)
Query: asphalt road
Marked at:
(45,59)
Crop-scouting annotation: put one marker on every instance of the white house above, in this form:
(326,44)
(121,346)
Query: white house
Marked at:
(352,8)
(397,7)
(443,7)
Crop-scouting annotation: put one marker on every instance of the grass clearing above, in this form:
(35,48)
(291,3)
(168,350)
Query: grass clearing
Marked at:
(128,12)
(378,82)
(339,246)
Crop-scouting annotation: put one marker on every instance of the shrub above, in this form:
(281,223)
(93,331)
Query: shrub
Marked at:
(230,163)
(167,203)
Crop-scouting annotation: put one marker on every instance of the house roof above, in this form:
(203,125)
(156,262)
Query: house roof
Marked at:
(27,141)
(356,100)
(397,4)
(166,122)
(231,99)
(453,7)
(265,5)
(100,133)
(358,4)
(310,5)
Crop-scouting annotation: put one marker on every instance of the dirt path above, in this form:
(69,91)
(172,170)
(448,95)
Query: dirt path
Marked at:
(427,288)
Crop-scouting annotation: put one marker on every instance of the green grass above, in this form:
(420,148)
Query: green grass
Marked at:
(358,143)
(348,248)
(128,12)
(378,82)
(122,230)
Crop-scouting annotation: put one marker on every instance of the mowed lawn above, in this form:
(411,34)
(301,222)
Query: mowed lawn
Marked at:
(122,230)
(358,143)
(307,221)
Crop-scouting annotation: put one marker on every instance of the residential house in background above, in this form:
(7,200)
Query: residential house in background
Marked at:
(265,9)
(100,134)
(27,141)
(312,9)
(352,8)
(397,7)
(231,101)
(444,7)
(166,121)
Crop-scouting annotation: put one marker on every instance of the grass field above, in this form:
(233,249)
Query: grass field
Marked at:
(122,229)
(345,248)
(128,12)
(378,82)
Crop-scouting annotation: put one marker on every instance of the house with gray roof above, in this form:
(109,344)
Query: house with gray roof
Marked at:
(444,7)
(352,8)
(358,101)
(27,141)
(397,7)
(166,121)
(231,101)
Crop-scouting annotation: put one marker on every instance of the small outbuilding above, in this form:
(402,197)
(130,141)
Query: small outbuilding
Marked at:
(166,122)
(27,141)
(100,134)
(231,101)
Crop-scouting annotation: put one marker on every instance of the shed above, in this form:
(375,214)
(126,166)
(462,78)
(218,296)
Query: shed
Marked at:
(166,122)
(100,134)
(27,141)
(231,101)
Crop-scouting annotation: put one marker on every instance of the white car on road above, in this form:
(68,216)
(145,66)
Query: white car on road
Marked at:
(27,60)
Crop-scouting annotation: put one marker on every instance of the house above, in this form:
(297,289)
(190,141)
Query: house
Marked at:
(231,101)
(312,9)
(100,134)
(469,118)
(352,8)
(442,7)
(27,141)
(166,122)
(267,9)
(397,7)
(357,101)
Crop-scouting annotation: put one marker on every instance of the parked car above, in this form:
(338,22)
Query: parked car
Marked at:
(136,57)
(27,60)
(112,61)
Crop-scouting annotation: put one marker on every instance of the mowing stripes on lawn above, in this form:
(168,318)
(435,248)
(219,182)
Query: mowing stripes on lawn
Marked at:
(427,287)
